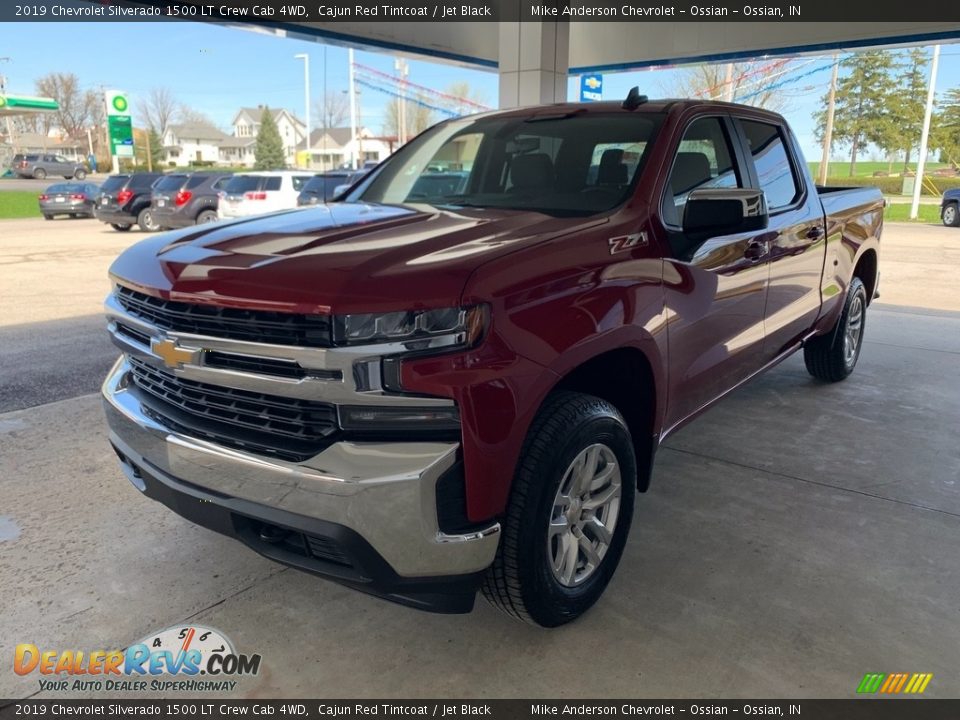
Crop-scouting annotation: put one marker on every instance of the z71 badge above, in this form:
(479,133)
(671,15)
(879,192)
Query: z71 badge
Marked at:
(622,243)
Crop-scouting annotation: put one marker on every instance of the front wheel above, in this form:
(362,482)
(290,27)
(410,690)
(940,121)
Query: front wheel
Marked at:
(569,513)
(79,174)
(833,356)
(951,215)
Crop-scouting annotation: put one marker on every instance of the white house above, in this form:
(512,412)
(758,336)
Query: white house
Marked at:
(333,148)
(193,143)
(246,125)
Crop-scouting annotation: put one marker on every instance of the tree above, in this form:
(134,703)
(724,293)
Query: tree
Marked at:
(332,110)
(77,107)
(903,123)
(190,116)
(159,109)
(748,84)
(419,117)
(862,103)
(268,153)
(156,148)
(945,127)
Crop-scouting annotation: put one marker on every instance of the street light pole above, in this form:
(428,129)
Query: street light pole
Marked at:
(925,135)
(400,65)
(828,131)
(353,113)
(306,103)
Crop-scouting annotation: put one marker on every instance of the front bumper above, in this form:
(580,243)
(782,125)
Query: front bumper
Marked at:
(361,513)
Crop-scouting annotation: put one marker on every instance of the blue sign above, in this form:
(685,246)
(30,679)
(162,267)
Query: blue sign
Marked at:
(591,88)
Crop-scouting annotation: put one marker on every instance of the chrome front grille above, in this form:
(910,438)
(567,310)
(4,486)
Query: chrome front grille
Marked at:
(250,325)
(289,428)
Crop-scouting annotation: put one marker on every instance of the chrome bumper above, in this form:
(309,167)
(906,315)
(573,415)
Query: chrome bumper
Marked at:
(384,491)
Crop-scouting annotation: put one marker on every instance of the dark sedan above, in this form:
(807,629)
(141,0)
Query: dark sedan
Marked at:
(73,199)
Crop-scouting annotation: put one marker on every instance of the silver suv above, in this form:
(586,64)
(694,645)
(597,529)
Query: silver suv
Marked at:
(41,166)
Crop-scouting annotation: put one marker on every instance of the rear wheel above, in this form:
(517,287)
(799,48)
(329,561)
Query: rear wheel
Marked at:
(79,174)
(569,513)
(951,215)
(120,228)
(47,217)
(39,173)
(146,221)
(207,216)
(833,356)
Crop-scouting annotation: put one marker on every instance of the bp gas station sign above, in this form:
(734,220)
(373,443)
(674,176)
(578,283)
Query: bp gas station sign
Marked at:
(119,125)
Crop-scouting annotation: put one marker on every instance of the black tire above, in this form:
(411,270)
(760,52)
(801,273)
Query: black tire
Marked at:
(39,173)
(79,174)
(47,217)
(829,356)
(207,216)
(951,215)
(120,228)
(146,222)
(522,582)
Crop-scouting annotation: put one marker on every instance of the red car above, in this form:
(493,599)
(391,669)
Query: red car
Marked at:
(421,395)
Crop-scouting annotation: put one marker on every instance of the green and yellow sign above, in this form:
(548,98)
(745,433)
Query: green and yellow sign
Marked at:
(119,124)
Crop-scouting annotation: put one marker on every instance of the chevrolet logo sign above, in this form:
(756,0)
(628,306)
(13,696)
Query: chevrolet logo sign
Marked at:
(173,355)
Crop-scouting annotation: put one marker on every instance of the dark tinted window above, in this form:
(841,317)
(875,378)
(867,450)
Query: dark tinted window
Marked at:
(32,158)
(239,184)
(114,182)
(704,159)
(313,185)
(196,181)
(300,180)
(772,163)
(170,183)
(221,183)
(272,183)
(67,188)
(143,181)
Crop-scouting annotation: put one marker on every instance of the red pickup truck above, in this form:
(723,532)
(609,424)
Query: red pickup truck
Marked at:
(433,388)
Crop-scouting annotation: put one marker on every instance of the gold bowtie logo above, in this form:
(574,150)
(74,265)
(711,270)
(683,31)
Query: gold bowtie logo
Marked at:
(173,356)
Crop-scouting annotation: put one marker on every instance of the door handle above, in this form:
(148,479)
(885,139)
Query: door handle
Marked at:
(756,250)
(815,233)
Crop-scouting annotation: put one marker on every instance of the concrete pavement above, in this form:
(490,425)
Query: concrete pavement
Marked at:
(795,537)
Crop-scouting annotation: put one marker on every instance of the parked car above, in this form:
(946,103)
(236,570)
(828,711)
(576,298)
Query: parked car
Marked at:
(438,184)
(183,199)
(45,165)
(321,188)
(950,208)
(261,192)
(352,178)
(423,399)
(124,201)
(73,199)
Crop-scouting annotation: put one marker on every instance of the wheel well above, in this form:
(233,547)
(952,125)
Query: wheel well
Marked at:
(866,270)
(624,379)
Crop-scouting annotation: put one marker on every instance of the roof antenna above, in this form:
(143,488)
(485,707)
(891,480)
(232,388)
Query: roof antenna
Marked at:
(634,99)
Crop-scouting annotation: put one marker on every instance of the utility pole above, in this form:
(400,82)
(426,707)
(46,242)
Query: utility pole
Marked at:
(925,135)
(306,103)
(146,134)
(3,91)
(728,83)
(353,113)
(828,131)
(403,69)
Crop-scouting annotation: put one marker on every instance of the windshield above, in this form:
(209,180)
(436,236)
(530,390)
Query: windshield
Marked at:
(239,184)
(114,182)
(570,164)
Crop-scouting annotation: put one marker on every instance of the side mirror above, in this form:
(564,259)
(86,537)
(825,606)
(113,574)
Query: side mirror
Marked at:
(724,211)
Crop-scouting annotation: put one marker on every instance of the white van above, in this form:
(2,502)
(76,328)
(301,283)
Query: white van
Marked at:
(261,192)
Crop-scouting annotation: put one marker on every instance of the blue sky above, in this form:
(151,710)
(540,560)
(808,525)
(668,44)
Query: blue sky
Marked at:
(217,69)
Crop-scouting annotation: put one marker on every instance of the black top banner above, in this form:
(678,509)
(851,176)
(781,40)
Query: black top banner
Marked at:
(281,12)
(207,707)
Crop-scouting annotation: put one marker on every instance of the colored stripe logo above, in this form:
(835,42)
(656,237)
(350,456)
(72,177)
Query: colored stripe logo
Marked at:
(895,683)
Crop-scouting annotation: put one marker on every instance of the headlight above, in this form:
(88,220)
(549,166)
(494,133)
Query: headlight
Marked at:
(416,329)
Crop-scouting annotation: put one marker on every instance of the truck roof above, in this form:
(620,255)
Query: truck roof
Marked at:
(657,105)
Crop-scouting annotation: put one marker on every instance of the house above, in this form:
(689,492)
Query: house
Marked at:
(333,148)
(193,144)
(246,125)
(73,150)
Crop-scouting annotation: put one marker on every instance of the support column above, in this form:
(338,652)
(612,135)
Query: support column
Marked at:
(534,59)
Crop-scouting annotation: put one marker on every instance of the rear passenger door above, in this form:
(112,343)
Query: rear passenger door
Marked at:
(715,289)
(796,245)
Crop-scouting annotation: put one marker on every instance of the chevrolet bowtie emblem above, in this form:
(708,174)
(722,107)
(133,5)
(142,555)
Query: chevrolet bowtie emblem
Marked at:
(173,356)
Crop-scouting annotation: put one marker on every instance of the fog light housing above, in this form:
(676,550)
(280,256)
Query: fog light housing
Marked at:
(377,419)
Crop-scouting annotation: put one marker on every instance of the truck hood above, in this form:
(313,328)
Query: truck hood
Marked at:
(338,258)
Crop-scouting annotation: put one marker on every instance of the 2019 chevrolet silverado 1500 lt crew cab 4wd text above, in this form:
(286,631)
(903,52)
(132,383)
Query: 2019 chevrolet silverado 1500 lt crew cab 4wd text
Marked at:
(420,399)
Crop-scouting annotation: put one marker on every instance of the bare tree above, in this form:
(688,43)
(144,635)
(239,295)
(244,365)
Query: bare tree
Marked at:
(159,109)
(190,116)
(77,107)
(749,84)
(332,110)
(419,116)
(466,98)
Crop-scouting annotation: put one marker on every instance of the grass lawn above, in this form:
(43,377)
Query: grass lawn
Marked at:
(18,204)
(841,168)
(900,212)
